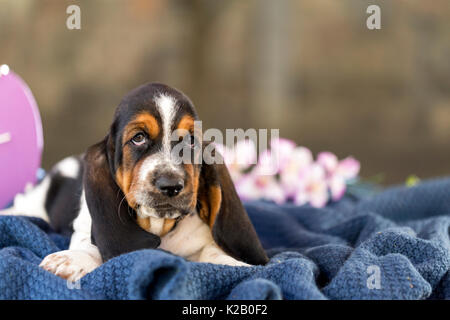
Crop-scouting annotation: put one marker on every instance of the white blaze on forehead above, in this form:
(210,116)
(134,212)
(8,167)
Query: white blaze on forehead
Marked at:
(167,107)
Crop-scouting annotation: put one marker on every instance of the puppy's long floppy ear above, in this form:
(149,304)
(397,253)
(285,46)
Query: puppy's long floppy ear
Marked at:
(114,231)
(221,208)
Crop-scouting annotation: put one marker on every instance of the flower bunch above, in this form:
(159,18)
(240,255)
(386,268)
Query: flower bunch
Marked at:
(287,172)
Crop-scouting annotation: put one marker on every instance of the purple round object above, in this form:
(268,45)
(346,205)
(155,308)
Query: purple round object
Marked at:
(21,139)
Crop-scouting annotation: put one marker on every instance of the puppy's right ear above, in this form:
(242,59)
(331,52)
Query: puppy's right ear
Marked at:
(114,230)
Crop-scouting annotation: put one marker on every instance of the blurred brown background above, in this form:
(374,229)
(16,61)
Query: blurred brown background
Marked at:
(310,68)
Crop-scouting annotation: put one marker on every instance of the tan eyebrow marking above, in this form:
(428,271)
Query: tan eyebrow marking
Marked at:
(186,123)
(143,121)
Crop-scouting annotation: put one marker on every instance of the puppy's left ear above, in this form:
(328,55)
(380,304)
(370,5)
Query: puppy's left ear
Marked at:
(220,207)
(113,230)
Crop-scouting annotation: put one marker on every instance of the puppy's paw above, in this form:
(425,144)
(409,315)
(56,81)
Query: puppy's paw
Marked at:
(213,254)
(70,264)
(229,261)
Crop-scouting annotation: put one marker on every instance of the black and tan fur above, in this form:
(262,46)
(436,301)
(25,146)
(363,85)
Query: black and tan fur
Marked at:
(123,187)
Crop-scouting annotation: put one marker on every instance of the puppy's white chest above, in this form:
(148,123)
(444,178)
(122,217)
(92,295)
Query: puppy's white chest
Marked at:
(189,237)
(193,240)
(156,225)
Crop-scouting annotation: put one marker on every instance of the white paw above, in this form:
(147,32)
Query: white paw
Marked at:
(70,264)
(213,254)
(229,261)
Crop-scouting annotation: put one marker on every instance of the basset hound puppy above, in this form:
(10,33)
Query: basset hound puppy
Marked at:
(127,193)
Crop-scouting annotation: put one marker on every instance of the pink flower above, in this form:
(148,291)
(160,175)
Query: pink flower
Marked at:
(267,165)
(313,187)
(281,151)
(328,161)
(300,160)
(246,188)
(261,182)
(340,173)
(287,172)
(254,186)
(238,158)
(348,168)
(245,153)
(337,186)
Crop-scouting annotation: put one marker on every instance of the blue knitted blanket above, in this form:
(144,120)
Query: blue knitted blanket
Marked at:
(394,245)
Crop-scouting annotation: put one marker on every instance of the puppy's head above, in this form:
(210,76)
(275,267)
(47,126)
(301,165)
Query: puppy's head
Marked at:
(149,122)
(150,165)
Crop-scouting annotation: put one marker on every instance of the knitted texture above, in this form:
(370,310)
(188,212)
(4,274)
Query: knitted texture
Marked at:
(394,245)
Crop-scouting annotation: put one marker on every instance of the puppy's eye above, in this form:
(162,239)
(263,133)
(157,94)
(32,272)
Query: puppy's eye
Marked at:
(139,139)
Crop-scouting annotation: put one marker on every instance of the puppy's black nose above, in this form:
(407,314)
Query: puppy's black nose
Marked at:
(169,186)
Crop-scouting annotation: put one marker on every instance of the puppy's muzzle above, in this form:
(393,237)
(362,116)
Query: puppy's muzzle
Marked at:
(169,186)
